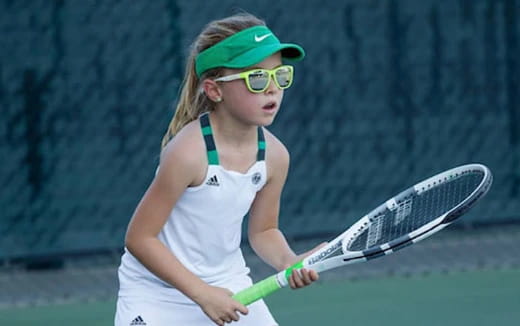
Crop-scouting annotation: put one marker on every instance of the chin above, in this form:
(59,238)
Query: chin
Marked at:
(266,120)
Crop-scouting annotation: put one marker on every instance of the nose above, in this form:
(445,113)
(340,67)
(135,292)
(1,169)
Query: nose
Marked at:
(271,87)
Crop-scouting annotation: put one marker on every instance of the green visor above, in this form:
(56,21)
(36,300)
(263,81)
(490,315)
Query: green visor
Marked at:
(244,49)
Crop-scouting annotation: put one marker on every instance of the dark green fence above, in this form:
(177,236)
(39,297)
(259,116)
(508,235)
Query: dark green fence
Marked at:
(390,93)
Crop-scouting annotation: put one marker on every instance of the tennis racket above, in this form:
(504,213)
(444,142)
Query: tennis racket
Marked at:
(412,215)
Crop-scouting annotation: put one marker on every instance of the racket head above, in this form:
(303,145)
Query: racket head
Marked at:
(419,211)
(438,200)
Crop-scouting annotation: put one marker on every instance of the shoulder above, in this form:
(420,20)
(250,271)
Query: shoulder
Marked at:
(277,156)
(185,152)
(188,141)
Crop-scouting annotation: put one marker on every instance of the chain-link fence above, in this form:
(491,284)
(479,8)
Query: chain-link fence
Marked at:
(390,92)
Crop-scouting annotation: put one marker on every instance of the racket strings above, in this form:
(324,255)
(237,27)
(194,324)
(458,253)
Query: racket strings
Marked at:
(415,211)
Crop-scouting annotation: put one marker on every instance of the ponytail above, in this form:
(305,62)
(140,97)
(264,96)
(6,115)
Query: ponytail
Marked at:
(192,102)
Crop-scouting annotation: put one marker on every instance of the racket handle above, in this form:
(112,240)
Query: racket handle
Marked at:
(257,291)
(267,286)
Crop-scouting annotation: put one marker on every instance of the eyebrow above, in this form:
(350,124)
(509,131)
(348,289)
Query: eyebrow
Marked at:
(260,68)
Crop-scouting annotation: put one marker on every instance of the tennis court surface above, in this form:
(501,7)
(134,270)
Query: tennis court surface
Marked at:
(485,297)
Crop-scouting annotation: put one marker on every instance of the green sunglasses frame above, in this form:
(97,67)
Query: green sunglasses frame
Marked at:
(271,72)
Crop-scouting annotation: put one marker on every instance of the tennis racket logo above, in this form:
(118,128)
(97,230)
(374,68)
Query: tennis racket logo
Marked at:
(329,250)
(403,211)
(375,230)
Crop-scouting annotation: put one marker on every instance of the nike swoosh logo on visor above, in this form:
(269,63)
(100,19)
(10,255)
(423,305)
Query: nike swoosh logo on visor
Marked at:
(261,38)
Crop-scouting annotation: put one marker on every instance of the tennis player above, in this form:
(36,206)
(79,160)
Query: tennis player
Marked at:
(182,259)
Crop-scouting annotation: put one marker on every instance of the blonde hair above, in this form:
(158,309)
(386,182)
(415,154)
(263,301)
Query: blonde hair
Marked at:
(193,101)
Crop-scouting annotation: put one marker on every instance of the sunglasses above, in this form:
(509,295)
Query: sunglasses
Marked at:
(257,80)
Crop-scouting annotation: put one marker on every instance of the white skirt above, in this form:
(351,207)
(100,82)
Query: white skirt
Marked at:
(136,310)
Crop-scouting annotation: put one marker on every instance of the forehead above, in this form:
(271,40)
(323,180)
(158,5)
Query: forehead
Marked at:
(270,62)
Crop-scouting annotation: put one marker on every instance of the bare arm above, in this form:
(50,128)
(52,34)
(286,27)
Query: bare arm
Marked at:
(175,174)
(265,237)
(179,169)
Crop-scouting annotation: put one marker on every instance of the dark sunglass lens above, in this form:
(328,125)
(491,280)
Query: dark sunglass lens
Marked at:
(284,77)
(258,80)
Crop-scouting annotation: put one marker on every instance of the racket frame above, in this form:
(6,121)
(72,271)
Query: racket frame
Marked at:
(320,260)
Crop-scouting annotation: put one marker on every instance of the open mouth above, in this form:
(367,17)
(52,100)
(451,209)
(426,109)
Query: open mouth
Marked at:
(269,106)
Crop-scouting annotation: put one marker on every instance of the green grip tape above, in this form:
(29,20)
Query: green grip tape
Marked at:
(264,287)
(257,291)
(289,270)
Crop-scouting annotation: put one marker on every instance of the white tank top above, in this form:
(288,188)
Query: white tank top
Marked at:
(204,228)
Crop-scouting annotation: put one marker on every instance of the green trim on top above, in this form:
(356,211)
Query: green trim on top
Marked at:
(260,156)
(207,134)
(211,149)
(207,130)
(213,157)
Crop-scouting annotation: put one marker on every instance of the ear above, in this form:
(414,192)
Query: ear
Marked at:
(212,90)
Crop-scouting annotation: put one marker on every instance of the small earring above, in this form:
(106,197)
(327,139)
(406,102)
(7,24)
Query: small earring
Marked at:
(218,99)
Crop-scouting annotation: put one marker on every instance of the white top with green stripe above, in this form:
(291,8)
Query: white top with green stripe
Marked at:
(205,226)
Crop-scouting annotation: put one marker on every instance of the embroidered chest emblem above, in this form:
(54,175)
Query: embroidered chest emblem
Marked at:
(256,178)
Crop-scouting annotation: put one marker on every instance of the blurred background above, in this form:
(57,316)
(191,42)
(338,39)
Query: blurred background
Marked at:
(390,92)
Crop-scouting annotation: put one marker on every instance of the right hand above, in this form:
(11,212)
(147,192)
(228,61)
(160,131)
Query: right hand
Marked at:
(219,306)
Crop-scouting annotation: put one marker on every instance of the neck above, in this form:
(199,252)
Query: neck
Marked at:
(232,131)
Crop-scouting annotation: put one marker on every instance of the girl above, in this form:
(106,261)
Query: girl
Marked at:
(182,259)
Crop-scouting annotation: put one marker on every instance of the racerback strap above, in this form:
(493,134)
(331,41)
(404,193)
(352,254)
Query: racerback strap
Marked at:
(211,149)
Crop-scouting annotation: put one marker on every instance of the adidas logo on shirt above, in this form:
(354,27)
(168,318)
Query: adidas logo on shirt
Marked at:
(137,321)
(213,181)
